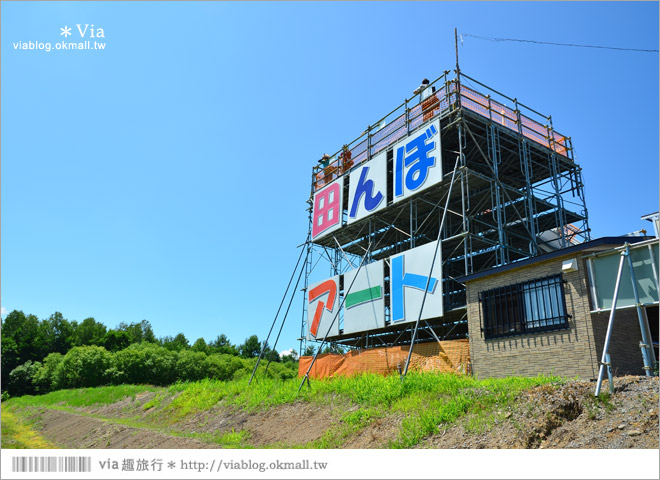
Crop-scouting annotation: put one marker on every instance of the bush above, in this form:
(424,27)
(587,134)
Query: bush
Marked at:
(191,366)
(83,367)
(146,363)
(222,366)
(21,379)
(46,378)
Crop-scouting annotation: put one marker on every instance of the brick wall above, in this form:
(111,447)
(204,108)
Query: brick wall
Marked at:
(569,352)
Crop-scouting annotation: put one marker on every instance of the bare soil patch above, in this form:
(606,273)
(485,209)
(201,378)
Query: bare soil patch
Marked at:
(283,425)
(377,434)
(566,417)
(70,430)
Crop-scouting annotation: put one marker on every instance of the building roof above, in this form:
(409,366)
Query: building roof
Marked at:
(597,244)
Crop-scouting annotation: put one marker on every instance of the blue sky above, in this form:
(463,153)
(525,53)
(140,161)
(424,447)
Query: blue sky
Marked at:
(165,177)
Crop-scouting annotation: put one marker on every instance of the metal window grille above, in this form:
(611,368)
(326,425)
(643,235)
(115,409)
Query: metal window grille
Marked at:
(535,306)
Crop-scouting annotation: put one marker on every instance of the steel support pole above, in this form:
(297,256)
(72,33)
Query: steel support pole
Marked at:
(263,348)
(428,279)
(646,344)
(604,360)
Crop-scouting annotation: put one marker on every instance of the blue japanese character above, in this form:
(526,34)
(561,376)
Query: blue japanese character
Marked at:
(365,187)
(418,160)
(400,281)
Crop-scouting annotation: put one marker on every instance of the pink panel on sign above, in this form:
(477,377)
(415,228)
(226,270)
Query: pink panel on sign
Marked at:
(327,210)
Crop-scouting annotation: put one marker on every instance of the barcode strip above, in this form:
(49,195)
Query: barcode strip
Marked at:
(51,464)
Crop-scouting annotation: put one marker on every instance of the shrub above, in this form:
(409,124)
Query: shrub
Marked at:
(83,367)
(21,379)
(191,366)
(222,366)
(46,378)
(146,363)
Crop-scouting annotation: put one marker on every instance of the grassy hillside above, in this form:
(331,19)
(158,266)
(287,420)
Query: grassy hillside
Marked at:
(423,404)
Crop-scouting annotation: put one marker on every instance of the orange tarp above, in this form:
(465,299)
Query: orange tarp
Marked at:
(446,356)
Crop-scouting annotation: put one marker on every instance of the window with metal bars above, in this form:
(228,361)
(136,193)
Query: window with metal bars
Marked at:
(535,306)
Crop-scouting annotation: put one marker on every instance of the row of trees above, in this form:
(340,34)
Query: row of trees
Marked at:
(139,363)
(26,338)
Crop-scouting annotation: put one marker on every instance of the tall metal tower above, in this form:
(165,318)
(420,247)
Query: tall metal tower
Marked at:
(509,189)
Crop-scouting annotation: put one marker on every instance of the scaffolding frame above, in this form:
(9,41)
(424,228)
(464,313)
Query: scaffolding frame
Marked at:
(519,193)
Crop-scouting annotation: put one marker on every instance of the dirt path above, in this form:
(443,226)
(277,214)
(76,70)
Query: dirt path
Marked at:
(70,430)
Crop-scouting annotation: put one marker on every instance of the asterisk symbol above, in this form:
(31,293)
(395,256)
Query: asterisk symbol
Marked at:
(66,31)
(171,464)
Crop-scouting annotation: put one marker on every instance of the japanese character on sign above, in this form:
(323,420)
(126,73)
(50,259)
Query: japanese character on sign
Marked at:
(407,289)
(414,163)
(327,213)
(367,188)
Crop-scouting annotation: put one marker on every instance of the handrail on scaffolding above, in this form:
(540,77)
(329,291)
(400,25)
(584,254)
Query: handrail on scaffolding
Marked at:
(447,95)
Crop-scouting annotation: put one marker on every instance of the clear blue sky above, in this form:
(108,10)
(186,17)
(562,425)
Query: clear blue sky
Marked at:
(165,177)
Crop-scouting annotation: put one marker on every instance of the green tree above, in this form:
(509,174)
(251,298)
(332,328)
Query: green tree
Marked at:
(200,346)
(115,340)
(309,351)
(89,332)
(222,366)
(333,348)
(56,334)
(84,367)
(138,332)
(179,342)
(222,345)
(21,379)
(290,357)
(46,379)
(271,355)
(191,366)
(147,363)
(251,348)
(24,345)
(10,357)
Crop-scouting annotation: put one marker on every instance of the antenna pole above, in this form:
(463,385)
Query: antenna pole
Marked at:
(458,70)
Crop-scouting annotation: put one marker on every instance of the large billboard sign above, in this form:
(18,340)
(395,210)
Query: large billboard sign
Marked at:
(328,208)
(367,188)
(364,307)
(409,273)
(323,306)
(417,164)
(364,295)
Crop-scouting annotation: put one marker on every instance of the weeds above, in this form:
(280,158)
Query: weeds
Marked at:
(17,434)
(424,400)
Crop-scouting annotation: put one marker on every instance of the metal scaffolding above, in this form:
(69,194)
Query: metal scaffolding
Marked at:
(517,193)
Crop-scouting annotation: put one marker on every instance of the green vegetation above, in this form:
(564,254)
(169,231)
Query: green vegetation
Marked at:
(80,397)
(426,402)
(39,356)
(17,434)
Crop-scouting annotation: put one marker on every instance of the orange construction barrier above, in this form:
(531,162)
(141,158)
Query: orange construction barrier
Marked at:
(445,356)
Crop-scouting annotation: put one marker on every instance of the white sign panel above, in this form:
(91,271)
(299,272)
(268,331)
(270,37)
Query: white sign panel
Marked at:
(417,162)
(364,306)
(408,277)
(322,307)
(368,188)
(327,213)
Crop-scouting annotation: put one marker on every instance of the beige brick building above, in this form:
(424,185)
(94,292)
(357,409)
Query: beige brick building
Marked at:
(535,317)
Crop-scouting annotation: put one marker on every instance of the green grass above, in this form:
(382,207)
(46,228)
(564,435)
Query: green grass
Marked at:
(16,433)
(82,397)
(427,402)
